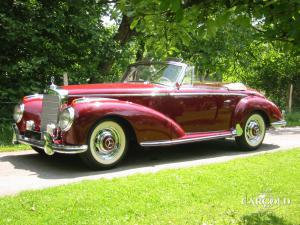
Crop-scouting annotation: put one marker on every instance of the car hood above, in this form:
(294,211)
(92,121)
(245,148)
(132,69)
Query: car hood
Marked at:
(113,88)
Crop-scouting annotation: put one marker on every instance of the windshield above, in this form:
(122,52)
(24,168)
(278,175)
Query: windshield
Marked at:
(165,74)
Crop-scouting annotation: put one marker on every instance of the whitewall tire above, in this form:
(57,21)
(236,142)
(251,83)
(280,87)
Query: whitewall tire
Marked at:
(107,145)
(253,132)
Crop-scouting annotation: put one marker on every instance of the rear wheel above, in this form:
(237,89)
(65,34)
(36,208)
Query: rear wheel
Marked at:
(107,145)
(253,132)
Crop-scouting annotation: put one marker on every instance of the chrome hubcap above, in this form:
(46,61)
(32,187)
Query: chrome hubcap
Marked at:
(255,130)
(108,142)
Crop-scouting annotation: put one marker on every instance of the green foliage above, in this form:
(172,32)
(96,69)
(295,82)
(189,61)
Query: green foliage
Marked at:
(293,119)
(226,42)
(6,135)
(275,20)
(40,39)
(252,42)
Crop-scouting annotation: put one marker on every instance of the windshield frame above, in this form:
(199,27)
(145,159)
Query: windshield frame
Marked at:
(179,77)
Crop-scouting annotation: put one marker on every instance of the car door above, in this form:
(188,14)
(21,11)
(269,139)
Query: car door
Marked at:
(192,107)
(200,109)
(195,111)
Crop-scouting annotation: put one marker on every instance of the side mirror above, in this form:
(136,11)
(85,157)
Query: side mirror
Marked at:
(177,85)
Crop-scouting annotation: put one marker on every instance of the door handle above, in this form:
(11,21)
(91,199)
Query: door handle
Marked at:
(227,101)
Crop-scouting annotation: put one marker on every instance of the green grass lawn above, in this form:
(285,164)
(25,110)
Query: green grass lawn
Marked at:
(293,119)
(11,148)
(211,194)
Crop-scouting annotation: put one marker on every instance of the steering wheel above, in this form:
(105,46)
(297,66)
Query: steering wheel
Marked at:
(164,80)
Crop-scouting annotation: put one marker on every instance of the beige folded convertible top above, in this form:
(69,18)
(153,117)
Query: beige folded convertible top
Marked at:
(228,86)
(236,87)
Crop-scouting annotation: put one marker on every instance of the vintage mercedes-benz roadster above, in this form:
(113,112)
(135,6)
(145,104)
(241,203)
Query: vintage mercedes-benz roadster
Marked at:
(155,104)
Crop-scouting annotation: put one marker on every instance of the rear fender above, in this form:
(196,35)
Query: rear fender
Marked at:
(148,124)
(250,104)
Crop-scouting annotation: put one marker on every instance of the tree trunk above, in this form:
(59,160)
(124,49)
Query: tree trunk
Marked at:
(290,98)
(140,51)
(122,36)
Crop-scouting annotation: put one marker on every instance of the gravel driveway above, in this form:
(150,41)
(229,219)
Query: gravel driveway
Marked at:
(28,170)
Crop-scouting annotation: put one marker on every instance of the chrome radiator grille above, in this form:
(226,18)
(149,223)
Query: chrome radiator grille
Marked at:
(50,110)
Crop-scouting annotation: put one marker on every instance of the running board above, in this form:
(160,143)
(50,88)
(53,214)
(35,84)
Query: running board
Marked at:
(190,138)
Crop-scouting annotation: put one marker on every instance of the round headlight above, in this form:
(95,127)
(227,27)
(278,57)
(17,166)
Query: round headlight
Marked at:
(18,112)
(66,118)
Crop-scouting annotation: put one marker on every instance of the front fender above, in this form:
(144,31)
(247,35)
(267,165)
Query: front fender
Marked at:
(254,103)
(32,111)
(148,124)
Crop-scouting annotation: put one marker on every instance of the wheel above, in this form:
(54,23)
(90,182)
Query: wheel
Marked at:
(38,150)
(107,145)
(253,132)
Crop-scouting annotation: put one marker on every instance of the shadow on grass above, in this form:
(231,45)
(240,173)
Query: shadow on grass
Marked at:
(263,218)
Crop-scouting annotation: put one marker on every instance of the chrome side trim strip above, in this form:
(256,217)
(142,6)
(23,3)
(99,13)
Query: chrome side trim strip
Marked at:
(207,93)
(117,95)
(184,141)
(158,94)
(120,95)
(84,99)
(278,124)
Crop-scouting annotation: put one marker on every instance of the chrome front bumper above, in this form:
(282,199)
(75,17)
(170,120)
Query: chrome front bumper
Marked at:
(47,144)
(278,124)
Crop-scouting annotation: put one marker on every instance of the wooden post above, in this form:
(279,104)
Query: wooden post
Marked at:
(65,79)
(290,100)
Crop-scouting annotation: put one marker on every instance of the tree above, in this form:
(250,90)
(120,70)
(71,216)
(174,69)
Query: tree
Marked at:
(248,41)
(40,39)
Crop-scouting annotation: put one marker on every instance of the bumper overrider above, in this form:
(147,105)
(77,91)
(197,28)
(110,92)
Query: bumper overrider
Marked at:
(47,144)
(278,124)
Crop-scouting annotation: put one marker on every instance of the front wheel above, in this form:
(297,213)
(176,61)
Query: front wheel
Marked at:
(107,145)
(253,133)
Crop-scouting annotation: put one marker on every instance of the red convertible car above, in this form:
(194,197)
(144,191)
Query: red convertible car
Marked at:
(155,104)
